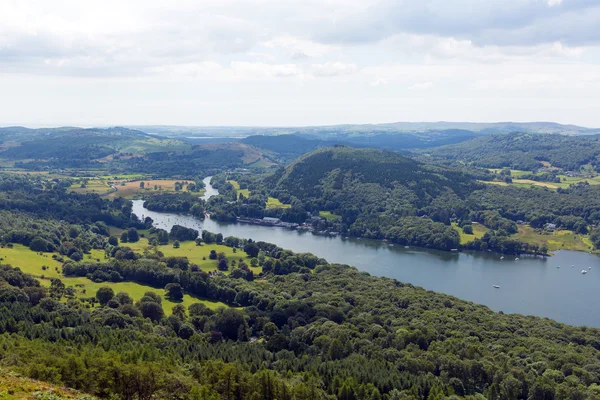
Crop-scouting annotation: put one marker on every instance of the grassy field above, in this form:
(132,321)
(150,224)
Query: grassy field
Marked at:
(329,216)
(558,240)
(126,188)
(131,189)
(122,176)
(565,181)
(31,262)
(236,186)
(272,202)
(197,254)
(87,288)
(97,186)
(478,231)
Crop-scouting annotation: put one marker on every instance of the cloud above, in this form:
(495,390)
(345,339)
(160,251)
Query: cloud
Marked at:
(334,55)
(421,86)
(332,69)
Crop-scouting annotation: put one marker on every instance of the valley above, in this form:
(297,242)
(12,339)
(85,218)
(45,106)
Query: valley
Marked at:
(400,256)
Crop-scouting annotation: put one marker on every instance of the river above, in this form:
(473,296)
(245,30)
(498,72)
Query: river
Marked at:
(530,285)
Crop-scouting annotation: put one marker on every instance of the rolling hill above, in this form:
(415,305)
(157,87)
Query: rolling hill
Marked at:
(524,151)
(377,194)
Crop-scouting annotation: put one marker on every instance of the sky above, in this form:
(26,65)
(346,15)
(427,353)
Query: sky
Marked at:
(298,62)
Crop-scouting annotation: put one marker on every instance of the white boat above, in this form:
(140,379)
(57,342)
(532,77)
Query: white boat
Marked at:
(517,259)
(497,286)
(572,266)
(583,271)
(589,267)
(502,258)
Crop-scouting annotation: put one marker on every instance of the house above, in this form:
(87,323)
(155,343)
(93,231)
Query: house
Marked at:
(550,227)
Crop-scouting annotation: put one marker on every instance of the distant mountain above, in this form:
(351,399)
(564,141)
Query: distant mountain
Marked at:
(524,151)
(289,147)
(340,132)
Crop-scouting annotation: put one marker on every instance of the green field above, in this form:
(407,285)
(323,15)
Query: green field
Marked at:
(236,186)
(329,216)
(272,202)
(87,288)
(565,181)
(97,186)
(31,262)
(478,231)
(196,254)
(558,240)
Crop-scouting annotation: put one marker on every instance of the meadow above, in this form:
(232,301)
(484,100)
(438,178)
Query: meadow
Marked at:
(478,231)
(557,240)
(33,263)
(565,181)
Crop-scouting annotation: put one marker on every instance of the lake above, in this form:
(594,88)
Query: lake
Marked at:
(530,285)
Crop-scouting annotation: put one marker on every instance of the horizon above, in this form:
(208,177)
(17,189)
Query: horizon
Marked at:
(138,126)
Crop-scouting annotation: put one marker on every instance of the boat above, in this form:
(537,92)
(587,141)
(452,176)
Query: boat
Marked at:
(502,258)
(517,259)
(558,266)
(589,267)
(497,286)
(583,271)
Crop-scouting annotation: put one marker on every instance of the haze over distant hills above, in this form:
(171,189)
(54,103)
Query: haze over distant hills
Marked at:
(335,131)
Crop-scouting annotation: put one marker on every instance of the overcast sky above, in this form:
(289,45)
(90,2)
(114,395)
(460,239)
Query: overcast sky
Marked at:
(298,62)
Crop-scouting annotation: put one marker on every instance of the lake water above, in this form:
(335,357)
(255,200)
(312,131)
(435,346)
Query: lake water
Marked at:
(531,285)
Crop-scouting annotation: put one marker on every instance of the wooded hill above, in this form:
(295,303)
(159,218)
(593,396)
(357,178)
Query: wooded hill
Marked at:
(524,151)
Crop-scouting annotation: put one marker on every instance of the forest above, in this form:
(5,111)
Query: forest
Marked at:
(524,151)
(382,195)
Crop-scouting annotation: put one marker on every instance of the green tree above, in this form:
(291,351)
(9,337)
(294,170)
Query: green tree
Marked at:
(104,294)
(174,291)
(133,235)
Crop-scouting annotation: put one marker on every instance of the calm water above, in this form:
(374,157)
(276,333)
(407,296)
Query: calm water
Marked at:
(528,286)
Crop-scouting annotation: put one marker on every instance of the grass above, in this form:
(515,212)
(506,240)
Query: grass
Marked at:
(272,202)
(557,240)
(478,232)
(87,288)
(131,189)
(13,387)
(31,262)
(196,254)
(236,186)
(565,181)
(329,216)
(97,186)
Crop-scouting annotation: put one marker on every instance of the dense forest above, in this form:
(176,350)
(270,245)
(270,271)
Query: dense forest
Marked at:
(524,151)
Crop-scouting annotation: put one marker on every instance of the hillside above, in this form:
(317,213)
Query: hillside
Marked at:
(524,151)
(122,150)
(377,194)
(334,169)
(16,387)
(289,147)
(77,143)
